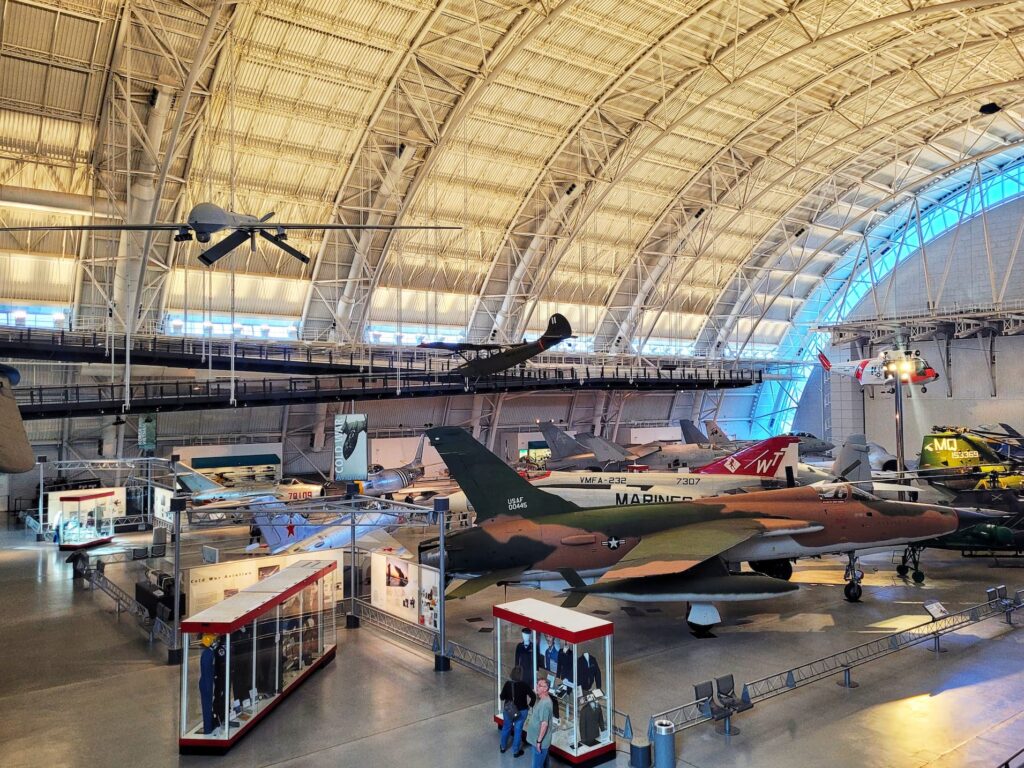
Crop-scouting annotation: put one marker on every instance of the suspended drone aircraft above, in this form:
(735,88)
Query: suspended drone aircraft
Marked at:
(487,359)
(206,219)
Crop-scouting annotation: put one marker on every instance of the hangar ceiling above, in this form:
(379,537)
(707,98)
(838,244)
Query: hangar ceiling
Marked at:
(673,176)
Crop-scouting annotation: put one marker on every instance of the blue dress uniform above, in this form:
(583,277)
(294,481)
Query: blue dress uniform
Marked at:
(206,661)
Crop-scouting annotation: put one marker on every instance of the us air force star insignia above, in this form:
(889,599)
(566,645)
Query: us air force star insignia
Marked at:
(612,543)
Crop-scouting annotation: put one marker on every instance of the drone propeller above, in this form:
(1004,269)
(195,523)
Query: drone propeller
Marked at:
(219,250)
(278,240)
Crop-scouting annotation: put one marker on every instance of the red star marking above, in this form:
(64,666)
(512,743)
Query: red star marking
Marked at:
(290,529)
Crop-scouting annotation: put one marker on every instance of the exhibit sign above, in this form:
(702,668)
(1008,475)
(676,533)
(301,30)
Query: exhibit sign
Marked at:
(404,588)
(147,432)
(162,505)
(350,447)
(207,585)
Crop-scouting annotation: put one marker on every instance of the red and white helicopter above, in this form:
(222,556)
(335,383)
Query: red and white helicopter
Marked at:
(910,366)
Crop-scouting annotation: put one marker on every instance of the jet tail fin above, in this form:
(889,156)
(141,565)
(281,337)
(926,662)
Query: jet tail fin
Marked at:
(853,460)
(825,363)
(492,487)
(716,434)
(604,450)
(560,442)
(691,433)
(764,459)
(194,482)
(417,460)
(281,531)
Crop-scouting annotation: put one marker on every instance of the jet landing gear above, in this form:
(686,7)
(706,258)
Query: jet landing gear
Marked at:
(854,575)
(911,555)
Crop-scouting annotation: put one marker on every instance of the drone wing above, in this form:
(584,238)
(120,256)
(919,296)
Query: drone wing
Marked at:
(100,228)
(278,225)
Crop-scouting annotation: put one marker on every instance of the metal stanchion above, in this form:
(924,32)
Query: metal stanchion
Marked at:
(442,663)
(352,618)
(177,507)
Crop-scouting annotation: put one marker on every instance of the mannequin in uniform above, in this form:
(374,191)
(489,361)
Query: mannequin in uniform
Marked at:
(565,664)
(551,655)
(524,658)
(589,672)
(206,676)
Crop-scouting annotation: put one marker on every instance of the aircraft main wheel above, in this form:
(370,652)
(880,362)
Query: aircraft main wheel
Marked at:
(902,570)
(918,577)
(852,591)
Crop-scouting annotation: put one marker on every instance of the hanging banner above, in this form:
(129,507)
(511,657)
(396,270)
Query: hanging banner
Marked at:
(350,447)
(147,432)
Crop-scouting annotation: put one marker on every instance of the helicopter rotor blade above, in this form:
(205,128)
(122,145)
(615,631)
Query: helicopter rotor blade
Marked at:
(219,250)
(268,217)
(285,246)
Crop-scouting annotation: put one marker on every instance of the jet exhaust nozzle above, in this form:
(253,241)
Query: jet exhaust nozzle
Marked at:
(971,517)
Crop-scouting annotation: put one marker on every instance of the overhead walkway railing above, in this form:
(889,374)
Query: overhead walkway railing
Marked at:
(293,356)
(709,708)
(45,402)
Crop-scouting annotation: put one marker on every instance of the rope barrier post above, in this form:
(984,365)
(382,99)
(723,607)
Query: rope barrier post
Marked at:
(847,681)
(442,662)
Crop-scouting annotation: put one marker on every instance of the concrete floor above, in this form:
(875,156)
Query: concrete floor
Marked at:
(80,689)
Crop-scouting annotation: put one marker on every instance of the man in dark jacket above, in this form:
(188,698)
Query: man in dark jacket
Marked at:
(516,700)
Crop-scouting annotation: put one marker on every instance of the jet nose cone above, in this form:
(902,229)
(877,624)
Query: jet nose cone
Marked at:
(969,517)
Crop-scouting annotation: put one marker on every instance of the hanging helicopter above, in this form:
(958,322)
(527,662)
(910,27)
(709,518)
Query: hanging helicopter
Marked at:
(911,367)
(487,359)
(207,219)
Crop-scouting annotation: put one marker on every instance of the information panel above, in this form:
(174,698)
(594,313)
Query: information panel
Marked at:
(350,447)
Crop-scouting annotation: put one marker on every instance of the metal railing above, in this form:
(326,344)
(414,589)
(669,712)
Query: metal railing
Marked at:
(842,662)
(55,400)
(474,660)
(1015,761)
(415,633)
(153,340)
(125,602)
(697,712)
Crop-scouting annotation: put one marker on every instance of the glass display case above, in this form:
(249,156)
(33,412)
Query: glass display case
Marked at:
(245,654)
(83,519)
(574,652)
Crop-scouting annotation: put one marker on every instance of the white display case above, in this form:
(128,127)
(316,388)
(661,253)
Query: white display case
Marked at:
(245,654)
(574,651)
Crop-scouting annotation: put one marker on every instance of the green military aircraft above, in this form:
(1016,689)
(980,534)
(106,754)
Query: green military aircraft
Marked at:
(680,551)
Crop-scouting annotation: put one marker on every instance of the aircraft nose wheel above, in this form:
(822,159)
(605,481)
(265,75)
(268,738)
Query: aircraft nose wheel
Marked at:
(911,560)
(853,591)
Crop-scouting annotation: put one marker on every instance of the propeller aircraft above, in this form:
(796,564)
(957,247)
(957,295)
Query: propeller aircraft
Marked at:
(487,359)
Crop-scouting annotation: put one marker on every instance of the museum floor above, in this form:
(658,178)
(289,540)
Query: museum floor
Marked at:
(80,689)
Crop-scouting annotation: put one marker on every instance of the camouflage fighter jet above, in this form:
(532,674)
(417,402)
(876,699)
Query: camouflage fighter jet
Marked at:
(683,551)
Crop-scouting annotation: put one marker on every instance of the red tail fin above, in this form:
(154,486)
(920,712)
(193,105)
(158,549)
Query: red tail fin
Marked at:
(824,361)
(762,459)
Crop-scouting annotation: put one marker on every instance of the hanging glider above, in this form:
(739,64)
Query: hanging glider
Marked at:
(206,219)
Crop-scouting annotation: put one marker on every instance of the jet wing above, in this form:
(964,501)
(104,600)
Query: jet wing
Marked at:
(240,503)
(680,549)
(472,586)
